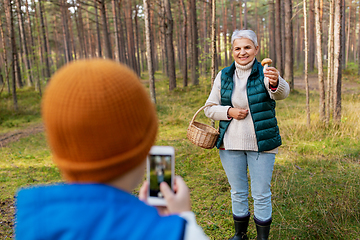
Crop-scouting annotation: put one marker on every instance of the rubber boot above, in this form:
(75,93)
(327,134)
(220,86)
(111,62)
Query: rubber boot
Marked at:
(262,229)
(241,225)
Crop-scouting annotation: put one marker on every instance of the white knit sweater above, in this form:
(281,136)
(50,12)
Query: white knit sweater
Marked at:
(240,134)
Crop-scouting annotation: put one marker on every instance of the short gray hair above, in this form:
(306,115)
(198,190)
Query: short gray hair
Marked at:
(249,34)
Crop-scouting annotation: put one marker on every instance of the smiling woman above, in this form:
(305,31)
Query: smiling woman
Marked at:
(243,99)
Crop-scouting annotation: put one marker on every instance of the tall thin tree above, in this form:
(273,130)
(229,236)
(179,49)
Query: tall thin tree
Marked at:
(47,55)
(337,59)
(149,50)
(108,51)
(28,71)
(10,20)
(330,70)
(169,24)
(194,44)
(289,53)
(184,66)
(311,34)
(306,65)
(278,22)
(318,25)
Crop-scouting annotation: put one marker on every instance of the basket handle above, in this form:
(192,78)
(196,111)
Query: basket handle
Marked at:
(205,106)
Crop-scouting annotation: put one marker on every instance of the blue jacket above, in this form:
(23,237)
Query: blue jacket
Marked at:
(262,107)
(89,212)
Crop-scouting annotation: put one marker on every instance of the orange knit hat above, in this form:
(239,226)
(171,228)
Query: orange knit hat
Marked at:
(99,120)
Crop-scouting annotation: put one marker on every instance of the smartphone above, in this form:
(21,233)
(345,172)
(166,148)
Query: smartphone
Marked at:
(160,168)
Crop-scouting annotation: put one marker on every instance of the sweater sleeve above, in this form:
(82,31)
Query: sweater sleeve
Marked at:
(192,230)
(216,112)
(282,91)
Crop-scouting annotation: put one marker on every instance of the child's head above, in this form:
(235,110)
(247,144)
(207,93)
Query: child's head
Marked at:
(99,120)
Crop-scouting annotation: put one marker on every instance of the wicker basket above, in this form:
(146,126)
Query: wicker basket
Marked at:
(201,134)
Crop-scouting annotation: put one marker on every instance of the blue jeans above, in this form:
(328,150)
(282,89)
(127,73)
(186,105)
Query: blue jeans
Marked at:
(261,166)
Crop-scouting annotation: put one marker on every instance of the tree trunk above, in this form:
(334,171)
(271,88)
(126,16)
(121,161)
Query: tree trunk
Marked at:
(28,71)
(213,41)
(78,30)
(72,39)
(83,32)
(47,64)
(320,64)
(4,43)
(278,37)
(347,45)
(225,32)
(15,57)
(257,29)
(343,39)
(219,62)
(245,14)
(169,44)
(194,44)
(107,43)
(337,59)
(359,45)
(137,37)
(271,27)
(121,37)
(65,28)
(241,26)
(91,52)
(311,35)
(330,72)
(34,46)
(283,34)
(97,28)
(116,30)
(10,20)
(184,33)
(289,57)
(233,13)
(130,37)
(149,51)
(306,66)
(299,39)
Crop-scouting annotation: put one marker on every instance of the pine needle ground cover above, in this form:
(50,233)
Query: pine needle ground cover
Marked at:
(315,181)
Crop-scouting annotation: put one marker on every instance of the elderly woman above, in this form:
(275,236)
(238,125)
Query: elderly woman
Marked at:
(244,95)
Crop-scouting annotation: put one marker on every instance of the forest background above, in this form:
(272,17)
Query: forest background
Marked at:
(177,47)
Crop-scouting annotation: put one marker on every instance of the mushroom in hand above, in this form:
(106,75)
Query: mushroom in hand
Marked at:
(266,62)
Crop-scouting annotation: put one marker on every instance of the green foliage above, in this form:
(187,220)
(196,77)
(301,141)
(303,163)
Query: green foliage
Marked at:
(315,181)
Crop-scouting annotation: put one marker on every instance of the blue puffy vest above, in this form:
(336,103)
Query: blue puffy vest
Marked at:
(90,212)
(262,107)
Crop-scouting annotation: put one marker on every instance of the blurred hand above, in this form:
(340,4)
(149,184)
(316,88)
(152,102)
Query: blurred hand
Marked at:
(238,113)
(179,200)
(273,75)
(176,202)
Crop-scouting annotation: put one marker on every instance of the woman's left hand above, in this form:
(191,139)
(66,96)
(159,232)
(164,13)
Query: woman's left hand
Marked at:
(273,75)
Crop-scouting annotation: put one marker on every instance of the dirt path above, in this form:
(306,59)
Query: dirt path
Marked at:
(347,87)
(13,136)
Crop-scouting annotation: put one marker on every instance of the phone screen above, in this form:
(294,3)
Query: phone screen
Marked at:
(160,171)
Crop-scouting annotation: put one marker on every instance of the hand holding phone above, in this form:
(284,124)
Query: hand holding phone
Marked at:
(179,200)
(176,202)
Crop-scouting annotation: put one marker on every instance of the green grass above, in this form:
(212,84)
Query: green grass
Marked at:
(28,112)
(315,181)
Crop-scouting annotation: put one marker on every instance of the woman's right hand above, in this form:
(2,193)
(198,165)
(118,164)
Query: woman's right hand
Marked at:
(238,113)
